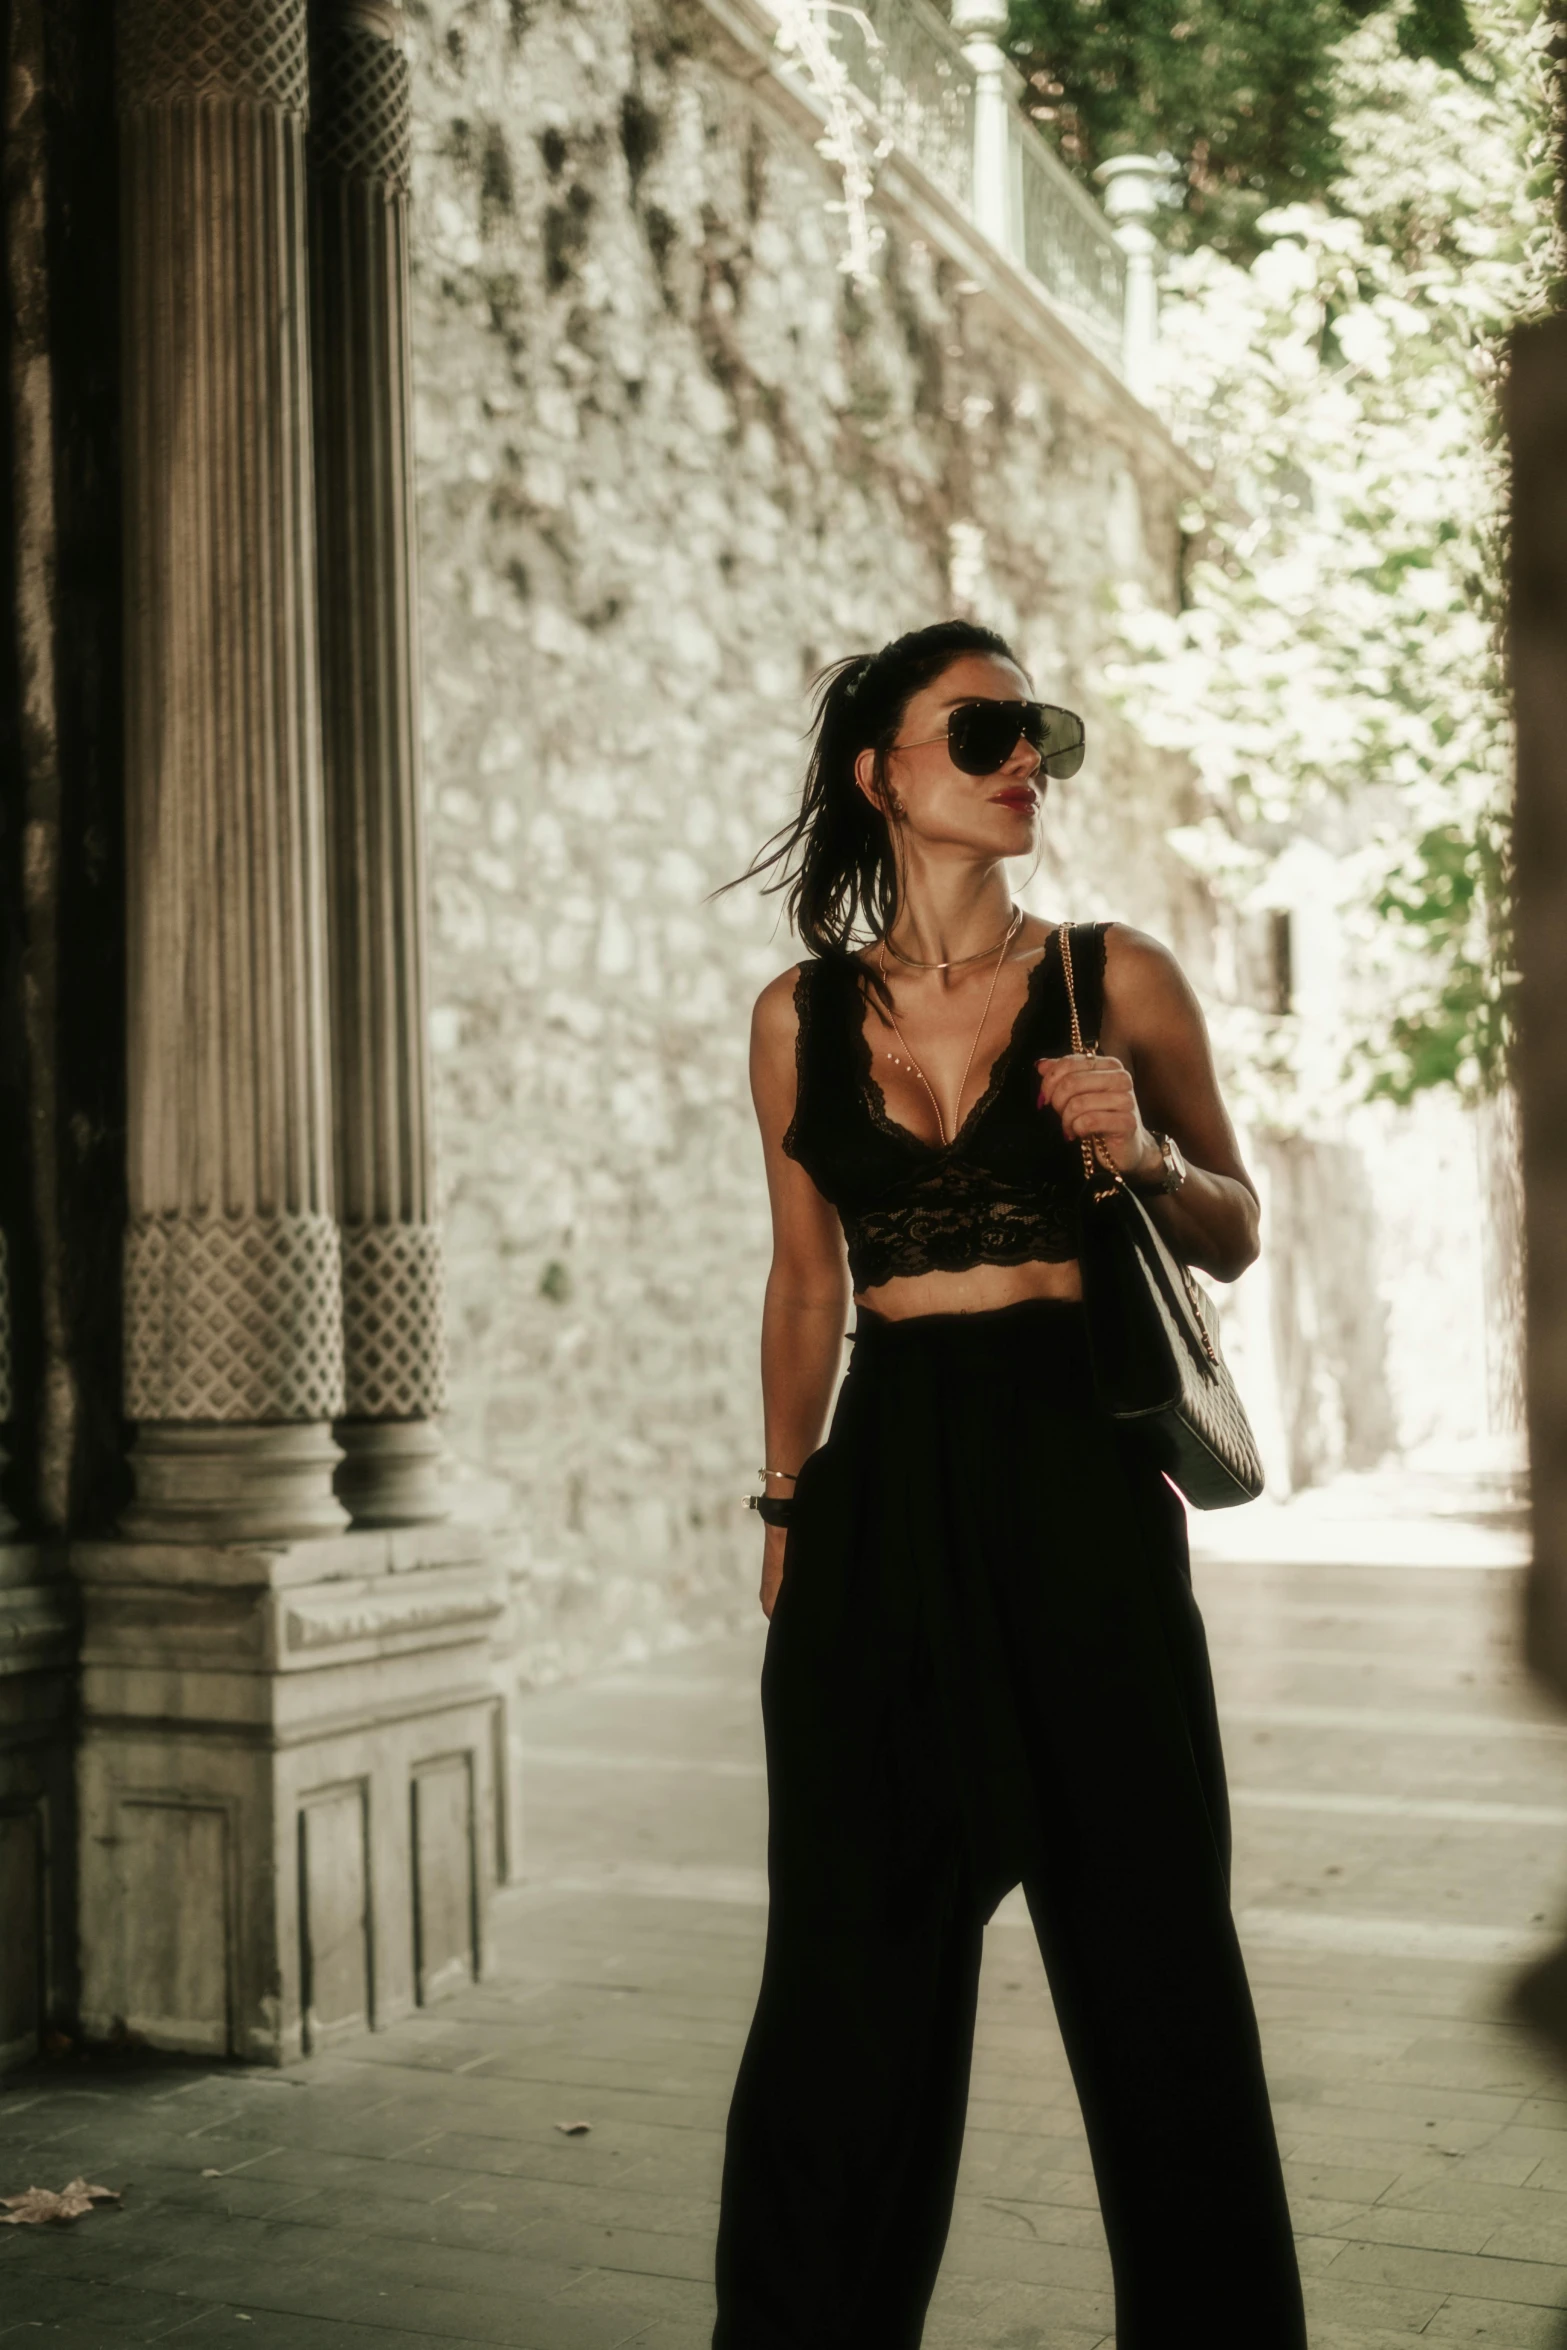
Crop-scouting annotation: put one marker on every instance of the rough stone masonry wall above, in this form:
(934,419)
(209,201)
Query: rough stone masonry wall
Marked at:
(670,462)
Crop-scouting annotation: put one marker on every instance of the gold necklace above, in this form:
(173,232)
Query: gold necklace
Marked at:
(955,962)
(1000,953)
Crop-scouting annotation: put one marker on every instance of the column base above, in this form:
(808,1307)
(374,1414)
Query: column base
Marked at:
(38,1643)
(233,1481)
(393,1472)
(291,1770)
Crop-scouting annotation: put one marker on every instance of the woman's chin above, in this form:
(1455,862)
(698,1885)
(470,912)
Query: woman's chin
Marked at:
(1000,832)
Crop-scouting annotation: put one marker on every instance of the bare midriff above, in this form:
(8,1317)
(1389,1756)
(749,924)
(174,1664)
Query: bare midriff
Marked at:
(979,1290)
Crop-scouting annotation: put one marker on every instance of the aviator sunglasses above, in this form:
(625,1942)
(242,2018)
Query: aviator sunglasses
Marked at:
(982,736)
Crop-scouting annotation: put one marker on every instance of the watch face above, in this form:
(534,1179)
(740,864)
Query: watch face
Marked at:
(1174,1163)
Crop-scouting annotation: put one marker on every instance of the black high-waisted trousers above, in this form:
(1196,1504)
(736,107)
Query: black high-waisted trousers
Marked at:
(986,1667)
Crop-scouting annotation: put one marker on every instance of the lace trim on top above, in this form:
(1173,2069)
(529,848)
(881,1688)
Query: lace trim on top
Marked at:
(956,1217)
(936,1210)
(804,995)
(1000,1069)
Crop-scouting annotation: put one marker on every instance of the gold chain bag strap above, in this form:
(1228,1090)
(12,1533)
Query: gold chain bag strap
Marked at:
(1156,1364)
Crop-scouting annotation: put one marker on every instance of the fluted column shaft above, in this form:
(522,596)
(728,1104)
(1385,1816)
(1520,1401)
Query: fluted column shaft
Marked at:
(233,1303)
(393,1327)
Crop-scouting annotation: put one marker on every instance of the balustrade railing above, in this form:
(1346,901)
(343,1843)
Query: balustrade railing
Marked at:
(901,55)
(950,104)
(1063,239)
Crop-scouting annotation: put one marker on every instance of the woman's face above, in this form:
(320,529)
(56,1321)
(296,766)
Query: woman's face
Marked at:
(986,815)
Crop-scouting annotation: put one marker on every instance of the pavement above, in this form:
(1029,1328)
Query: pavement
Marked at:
(1401,1829)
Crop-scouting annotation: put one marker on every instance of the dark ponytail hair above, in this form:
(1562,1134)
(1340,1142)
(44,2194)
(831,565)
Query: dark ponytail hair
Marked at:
(835,858)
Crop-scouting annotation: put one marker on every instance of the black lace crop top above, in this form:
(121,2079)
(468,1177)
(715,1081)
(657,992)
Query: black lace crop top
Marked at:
(1002,1192)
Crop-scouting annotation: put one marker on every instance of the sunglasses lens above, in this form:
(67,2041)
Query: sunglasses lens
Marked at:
(981,736)
(1057,735)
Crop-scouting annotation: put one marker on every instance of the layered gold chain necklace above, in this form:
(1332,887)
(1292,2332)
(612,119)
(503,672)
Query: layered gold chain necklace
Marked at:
(956,962)
(1000,953)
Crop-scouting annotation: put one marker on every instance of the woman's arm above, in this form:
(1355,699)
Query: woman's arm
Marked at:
(807,1294)
(1156,1071)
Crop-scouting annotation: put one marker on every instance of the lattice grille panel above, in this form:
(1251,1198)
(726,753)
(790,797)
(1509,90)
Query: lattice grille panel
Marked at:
(394,1321)
(362,113)
(245,50)
(233,1318)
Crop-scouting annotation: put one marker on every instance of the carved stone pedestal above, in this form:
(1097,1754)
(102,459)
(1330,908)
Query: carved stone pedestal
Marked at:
(37,1836)
(293,1809)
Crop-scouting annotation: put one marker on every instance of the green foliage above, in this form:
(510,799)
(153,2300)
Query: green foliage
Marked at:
(1438,29)
(1451,898)
(1241,92)
(1335,676)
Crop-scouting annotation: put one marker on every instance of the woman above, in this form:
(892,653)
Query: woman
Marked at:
(984,1663)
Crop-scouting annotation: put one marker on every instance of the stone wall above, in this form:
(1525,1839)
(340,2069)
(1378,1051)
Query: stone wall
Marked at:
(671,461)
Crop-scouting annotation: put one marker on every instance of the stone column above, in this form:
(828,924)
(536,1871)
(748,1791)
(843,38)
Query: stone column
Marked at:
(7,1400)
(292,1738)
(394,1346)
(981,24)
(1133,185)
(232,1294)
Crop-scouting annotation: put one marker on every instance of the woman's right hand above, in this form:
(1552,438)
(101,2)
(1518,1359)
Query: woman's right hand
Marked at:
(773,1541)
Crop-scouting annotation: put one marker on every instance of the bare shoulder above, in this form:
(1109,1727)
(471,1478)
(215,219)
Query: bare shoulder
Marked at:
(775,1029)
(1142,976)
(775,1016)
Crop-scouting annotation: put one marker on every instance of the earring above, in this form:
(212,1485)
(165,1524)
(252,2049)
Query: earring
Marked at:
(895,806)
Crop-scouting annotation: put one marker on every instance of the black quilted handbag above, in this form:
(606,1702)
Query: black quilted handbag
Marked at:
(1156,1364)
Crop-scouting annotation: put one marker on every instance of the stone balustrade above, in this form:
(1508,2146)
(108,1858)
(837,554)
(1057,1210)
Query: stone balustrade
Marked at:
(945,96)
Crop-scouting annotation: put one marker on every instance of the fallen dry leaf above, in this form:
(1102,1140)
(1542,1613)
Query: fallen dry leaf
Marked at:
(212,2174)
(41,2204)
(573,2129)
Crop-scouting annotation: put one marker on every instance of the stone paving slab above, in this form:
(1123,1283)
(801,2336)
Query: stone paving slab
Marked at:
(413,2189)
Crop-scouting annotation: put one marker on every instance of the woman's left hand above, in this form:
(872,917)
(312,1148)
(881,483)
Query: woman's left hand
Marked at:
(1093,1094)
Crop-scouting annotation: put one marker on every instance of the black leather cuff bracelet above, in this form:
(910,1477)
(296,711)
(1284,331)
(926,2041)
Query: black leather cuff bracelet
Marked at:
(771,1512)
